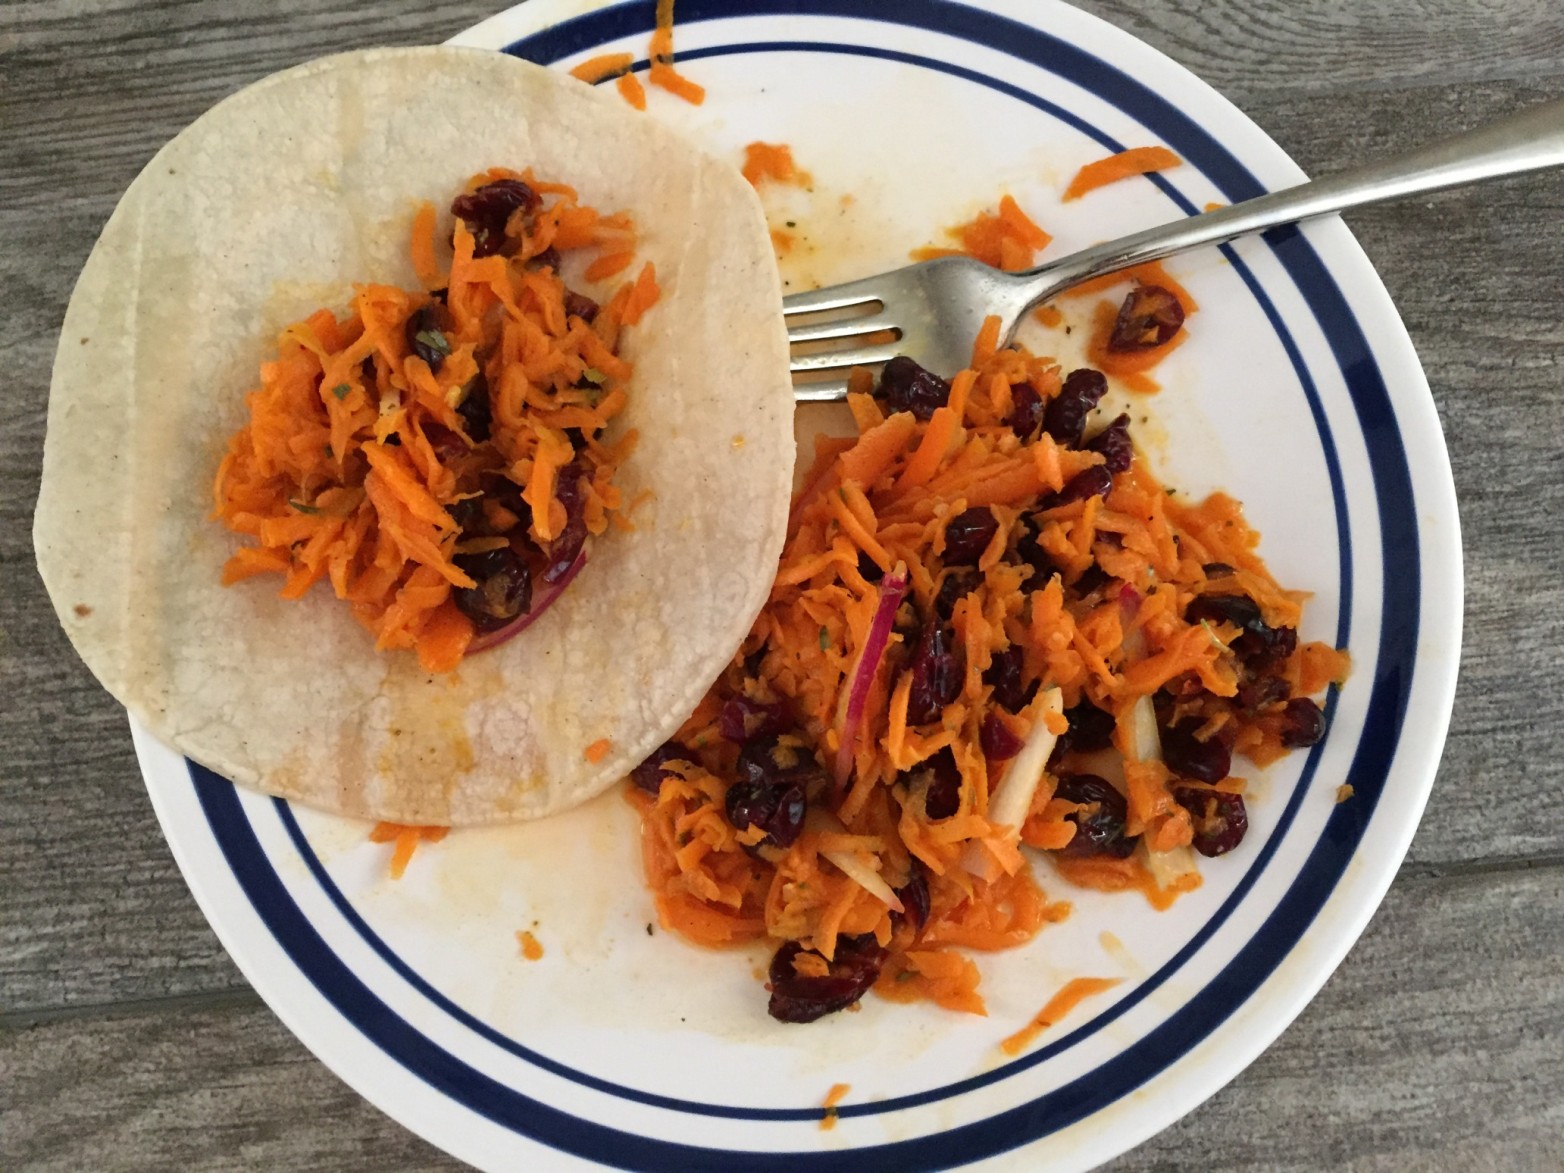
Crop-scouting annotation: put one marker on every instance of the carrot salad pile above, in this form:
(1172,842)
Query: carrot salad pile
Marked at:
(993,637)
(439,456)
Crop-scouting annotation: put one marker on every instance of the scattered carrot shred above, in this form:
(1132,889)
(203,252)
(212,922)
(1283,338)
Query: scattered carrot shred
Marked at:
(1344,792)
(1067,999)
(1006,238)
(598,750)
(833,1097)
(662,72)
(631,90)
(773,162)
(356,461)
(405,839)
(1124,165)
(531,949)
(603,67)
(1049,316)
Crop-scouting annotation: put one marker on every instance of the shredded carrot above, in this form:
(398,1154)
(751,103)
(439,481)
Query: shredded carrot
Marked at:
(362,462)
(598,750)
(1049,316)
(1075,991)
(1124,165)
(424,263)
(631,90)
(833,1097)
(773,162)
(662,72)
(1006,238)
(1095,597)
(603,67)
(405,840)
(1344,792)
(530,948)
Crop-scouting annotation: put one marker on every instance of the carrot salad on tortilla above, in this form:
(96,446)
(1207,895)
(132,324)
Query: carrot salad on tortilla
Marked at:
(439,456)
(992,633)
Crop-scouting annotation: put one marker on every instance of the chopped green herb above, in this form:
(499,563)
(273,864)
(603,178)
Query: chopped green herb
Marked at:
(341,390)
(434,340)
(303,508)
(792,223)
(825,639)
(593,375)
(1212,636)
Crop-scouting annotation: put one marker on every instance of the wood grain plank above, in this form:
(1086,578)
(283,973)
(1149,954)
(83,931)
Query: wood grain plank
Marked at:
(1255,48)
(1434,1047)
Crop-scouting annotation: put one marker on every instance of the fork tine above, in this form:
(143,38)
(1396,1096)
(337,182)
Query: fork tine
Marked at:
(827,391)
(833,297)
(848,328)
(837,359)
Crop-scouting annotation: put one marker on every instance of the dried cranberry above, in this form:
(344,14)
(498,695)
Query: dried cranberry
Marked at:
(1099,831)
(1261,693)
(782,765)
(504,588)
(562,551)
(579,305)
(549,259)
(968,534)
(853,970)
(1149,317)
(868,568)
(998,741)
(936,674)
(1113,442)
(1189,757)
(906,386)
(425,338)
(1220,820)
(742,719)
(1091,729)
(1029,551)
(1303,723)
(447,445)
(914,897)
(1027,410)
(957,585)
(1090,579)
(649,774)
(1258,645)
(777,810)
(1005,677)
(1092,482)
(1065,419)
(475,411)
(487,210)
(940,778)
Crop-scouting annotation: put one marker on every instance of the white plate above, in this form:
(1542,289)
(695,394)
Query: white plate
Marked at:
(1298,391)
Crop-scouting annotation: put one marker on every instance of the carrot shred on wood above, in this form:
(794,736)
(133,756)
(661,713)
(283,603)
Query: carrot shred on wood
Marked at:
(868,576)
(1124,165)
(359,455)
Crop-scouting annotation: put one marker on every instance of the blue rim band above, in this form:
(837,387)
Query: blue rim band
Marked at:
(1260,954)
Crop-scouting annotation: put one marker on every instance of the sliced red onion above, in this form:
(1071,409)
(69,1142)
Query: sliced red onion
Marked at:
(892,588)
(493,639)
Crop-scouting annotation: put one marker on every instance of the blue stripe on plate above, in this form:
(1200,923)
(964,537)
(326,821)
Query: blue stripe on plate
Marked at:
(1258,957)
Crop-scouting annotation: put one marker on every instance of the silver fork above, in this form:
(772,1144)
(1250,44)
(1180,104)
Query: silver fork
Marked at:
(932,311)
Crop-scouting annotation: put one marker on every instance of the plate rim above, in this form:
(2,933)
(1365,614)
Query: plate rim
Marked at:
(1389,336)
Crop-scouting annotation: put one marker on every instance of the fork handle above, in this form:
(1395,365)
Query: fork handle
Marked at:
(1531,140)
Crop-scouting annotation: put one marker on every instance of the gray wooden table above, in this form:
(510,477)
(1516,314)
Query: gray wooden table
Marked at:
(128,1039)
